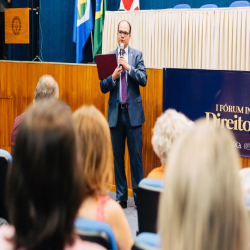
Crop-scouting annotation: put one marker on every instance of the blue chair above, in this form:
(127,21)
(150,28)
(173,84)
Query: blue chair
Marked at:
(208,6)
(96,231)
(5,163)
(182,6)
(5,154)
(148,193)
(239,4)
(247,200)
(147,241)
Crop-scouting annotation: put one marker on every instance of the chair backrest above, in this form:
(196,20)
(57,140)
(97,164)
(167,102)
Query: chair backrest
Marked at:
(5,162)
(96,231)
(148,193)
(182,6)
(247,200)
(147,241)
(240,4)
(208,6)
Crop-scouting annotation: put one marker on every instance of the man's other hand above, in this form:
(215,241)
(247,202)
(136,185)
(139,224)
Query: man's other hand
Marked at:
(117,73)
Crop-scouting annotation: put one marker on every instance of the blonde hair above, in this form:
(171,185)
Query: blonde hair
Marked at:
(169,126)
(202,206)
(95,142)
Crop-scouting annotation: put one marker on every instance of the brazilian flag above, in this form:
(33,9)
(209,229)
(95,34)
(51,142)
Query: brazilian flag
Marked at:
(99,21)
(83,25)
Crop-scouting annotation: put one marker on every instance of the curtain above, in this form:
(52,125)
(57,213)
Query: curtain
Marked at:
(194,38)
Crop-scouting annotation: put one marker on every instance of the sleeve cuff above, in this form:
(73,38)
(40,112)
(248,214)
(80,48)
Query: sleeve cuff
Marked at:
(129,70)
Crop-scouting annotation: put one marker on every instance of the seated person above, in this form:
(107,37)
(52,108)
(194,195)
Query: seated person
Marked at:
(245,184)
(202,205)
(95,143)
(44,188)
(169,126)
(245,181)
(47,87)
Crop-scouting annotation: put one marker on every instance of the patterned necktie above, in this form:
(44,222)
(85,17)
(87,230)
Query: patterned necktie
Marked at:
(124,83)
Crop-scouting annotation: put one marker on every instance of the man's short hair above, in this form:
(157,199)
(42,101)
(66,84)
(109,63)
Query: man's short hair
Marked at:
(47,87)
(127,23)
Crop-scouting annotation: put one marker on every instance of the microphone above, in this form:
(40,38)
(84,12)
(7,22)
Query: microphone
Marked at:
(121,51)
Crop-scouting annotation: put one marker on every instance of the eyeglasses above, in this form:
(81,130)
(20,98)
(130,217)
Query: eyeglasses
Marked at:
(125,33)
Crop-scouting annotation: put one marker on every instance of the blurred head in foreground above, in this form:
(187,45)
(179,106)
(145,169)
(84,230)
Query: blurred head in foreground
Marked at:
(44,185)
(168,127)
(202,206)
(95,143)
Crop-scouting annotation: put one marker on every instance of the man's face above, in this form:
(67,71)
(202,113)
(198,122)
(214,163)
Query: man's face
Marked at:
(123,35)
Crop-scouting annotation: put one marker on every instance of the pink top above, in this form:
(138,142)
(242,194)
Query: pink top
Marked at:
(17,122)
(100,207)
(7,232)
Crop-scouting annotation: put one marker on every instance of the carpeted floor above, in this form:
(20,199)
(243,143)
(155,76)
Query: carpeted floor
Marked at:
(131,214)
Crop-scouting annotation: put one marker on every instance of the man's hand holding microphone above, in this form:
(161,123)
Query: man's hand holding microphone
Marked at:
(121,63)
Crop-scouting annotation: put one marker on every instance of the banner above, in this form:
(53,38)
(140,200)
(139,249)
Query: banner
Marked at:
(99,21)
(83,25)
(219,96)
(129,5)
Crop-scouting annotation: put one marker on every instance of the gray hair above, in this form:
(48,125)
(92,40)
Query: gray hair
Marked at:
(47,87)
(169,126)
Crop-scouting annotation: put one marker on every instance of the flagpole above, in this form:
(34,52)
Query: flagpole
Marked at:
(92,43)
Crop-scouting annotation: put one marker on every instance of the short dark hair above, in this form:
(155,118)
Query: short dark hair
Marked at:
(127,23)
(44,189)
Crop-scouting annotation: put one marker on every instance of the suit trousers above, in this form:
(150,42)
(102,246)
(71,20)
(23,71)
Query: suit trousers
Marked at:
(119,134)
(3,46)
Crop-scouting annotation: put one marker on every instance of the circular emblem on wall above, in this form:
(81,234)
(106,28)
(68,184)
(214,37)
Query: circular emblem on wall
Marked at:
(16,25)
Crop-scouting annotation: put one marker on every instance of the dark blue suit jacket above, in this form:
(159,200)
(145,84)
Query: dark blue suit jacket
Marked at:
(138,76)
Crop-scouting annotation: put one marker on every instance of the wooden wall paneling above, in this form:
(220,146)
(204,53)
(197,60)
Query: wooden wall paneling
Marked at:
(152,96)
(245,162)
(7,118)
(34,72)
(21,84)
(3,80)
(74,82)
(8,78)
(78,85)
(6,107)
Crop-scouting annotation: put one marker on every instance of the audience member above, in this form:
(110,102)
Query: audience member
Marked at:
(169,126)
(94,135)
(46,87)
(202,206)
(245,181)
(44,189)
(245,184)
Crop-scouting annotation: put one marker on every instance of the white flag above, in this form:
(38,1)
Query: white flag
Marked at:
(130,5)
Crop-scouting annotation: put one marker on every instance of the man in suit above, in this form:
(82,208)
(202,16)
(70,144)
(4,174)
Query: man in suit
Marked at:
(3,46)
(125,112)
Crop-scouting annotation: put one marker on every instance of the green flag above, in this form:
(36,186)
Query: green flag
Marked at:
(99,21)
